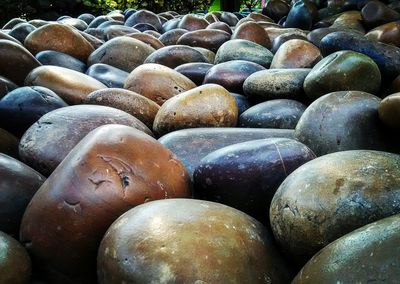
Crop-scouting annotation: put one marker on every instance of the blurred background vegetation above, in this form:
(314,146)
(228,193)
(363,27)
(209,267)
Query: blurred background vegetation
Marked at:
(52,9)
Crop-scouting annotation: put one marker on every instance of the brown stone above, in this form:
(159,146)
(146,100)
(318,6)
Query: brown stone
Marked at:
(209,105)
(157,82)
(210,39)
(220,26)
(113,169)
(148,39)
(389,110)
(8,143)
(388,33)
(192,22)
(171,37)
(252,32)
(60,38)
(72,86)
(137,105)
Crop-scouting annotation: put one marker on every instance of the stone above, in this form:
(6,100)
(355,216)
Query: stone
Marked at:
(157,82)
(220,26)
(192,237)
(388,33)
(389,111)
(148,39)
(61,38)
(376,13)
(246,175)
(8,144)
(241,49)
(192,22)
(210,39)
(110,76)
(123,52)
(358,72)
(72,86)
(302,15)
(278,41)
(209,105)
(172,36)
(6,86)
(331,196)
(16,61)
(51,57)
(112,170)
(253,32)
(144,16)
(279,113)
(276,9)
(136,105)
(194,71)
(21,31)
(49,140)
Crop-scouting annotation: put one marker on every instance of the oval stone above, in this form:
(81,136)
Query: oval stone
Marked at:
(343,121)
(278,113)
(175,55)
(16,61)
(148,39)
(246,252)
(21,31)
(123,52)
(253,32)
(278,41)
(232,74)
(194,71)
(22,107)
(113,169)
(72,86)
(144,16)
(241,49)
(209,105)
(207,38)
(8,143)
(220,26)
(247,175)
(172,36)
(15,264)
(18,185)
(51,57)
(136,105)
(157,82)
(331,196)
(47,142)
(276,84)
(6,86)
(296,53)
(389,110)
(191,145)
(59,37)
(358,72)
(388,33)
(372,246)
(376,13)
(192,22)
(110,76)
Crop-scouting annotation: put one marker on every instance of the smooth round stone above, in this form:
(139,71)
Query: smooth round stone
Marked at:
(136,105)
(281,113)
(144,16)
(95,42)
(110,76)
(4,35)
(220,26)
(170,25)
(387,57)
(373,247)
(15,264)
(209,105)
(301,15)
(98,21)
(253,32)
(123,52)
(175,55)
(244,248)
(112,170)
(117,31)
(6,86)
(148,39)
(172,36)
(340,121)
(16,61)
(22,107)
(351,21)
(232,74)
(296,53)
(192,22)
(111,23)
(276,9)
(75,23)
(247,175)
(194,71)
(241,49)
(18,185)
(259,17)
(88,18)
(315,36)
(331,196)
(388,33)
(38,23)
(191,145)
(51,57)
(278,41)
(12,23)
(47,142)
(207,38)
(242,102)
(152,33)
(229,18)
(208,54)
(72,86)
(8,143)
(144,27)
(389,111)
(157,82)
(21,31)
(276,84)
(60,38)
(358,72)
(376,13)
